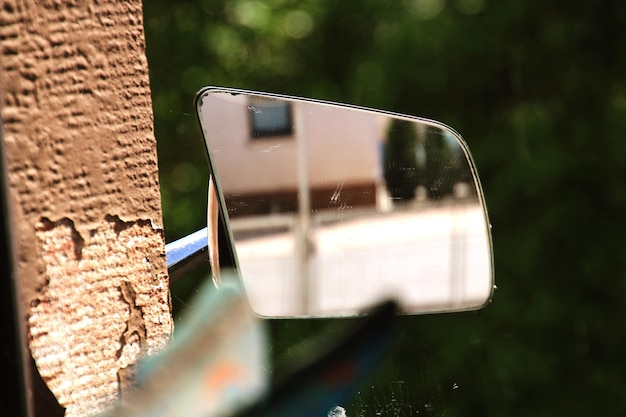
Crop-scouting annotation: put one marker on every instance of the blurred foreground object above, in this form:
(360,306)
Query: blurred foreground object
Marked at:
(217,364)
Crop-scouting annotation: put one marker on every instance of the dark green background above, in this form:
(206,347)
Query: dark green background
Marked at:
(537,89)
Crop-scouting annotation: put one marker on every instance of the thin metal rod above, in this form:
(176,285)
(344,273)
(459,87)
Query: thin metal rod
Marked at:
(186,253)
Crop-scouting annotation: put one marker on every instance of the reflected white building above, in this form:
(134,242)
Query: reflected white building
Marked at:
(257,162)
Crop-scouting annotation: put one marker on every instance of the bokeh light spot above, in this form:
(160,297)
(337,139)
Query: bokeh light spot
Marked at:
(298,24)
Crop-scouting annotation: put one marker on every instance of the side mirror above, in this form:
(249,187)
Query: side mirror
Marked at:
(332,207)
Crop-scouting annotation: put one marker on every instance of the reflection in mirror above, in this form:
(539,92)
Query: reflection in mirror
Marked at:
(332,207)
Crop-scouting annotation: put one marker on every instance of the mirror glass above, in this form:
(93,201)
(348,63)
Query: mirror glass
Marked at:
(332,207)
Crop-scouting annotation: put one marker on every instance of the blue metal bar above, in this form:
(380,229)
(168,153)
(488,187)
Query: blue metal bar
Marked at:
(185,253)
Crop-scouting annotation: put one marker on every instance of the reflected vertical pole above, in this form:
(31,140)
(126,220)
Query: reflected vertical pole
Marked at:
(458,254)
(304,210)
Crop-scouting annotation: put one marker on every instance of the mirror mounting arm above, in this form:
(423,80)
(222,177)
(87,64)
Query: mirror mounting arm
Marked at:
(185,254)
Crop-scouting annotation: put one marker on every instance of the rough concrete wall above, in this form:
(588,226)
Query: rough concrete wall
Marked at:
(78,129)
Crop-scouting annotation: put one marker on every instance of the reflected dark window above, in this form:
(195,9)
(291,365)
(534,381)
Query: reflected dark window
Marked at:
(270,118)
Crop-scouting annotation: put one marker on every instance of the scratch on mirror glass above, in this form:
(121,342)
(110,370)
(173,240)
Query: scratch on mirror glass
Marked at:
(336,199)
(266,150)
(337,193)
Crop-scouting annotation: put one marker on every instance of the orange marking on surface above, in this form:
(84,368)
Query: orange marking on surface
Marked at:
(221,375)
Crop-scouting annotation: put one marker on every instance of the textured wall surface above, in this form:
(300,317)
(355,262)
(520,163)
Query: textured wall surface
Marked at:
(78,128)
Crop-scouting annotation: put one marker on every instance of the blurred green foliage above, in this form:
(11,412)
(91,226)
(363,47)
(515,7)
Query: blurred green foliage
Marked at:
(537,89)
